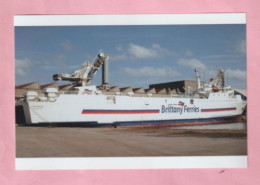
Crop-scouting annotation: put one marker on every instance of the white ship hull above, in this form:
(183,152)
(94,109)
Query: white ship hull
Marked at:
(117,110)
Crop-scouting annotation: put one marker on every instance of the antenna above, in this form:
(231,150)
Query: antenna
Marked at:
(197,78)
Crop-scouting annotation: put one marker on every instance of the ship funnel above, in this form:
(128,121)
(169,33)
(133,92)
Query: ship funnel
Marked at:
(105,73)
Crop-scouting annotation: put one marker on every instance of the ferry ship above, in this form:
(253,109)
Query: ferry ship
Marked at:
(91,105)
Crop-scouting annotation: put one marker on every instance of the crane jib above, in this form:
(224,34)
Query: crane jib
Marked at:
(84,75)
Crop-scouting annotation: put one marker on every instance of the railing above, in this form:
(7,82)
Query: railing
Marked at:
(69,92)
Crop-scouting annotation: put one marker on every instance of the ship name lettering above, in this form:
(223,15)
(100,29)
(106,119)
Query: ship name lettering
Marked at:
(179,109)
(191,109)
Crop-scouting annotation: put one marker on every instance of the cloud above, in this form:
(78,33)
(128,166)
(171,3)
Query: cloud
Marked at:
(235,74)
(119,47)
(142,52)
(188,53)
(50,67)
(22,66)
(118,57)
(240,47)
(60,60)
(134,51)
(148,71)
(192,63)
(220,56)
(67,45)
(162,51)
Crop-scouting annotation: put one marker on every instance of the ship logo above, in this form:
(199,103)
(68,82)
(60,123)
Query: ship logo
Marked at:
(181,103)
(87,91)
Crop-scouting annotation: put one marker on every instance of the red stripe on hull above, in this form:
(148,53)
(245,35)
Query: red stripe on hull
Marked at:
(217,110)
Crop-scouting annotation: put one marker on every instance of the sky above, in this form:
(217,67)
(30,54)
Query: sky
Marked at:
(138,55)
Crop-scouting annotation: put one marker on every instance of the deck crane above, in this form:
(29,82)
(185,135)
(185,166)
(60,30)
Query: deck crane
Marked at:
(215,84)
(218,80)
(84,75)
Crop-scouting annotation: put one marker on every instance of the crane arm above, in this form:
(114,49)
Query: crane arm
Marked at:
(219,78)
(84,75)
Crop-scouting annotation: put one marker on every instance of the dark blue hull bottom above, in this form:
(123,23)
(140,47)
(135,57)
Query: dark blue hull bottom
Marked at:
(150,123)
(181,122)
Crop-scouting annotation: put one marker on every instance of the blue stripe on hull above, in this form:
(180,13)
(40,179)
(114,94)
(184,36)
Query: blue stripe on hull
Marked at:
(179,122)
(105,111)
(70,124)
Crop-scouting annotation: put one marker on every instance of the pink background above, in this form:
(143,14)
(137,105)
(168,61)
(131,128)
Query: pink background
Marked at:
(8,174)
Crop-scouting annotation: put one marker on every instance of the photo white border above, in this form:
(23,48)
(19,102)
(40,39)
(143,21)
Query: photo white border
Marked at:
(130,162)
(140,19)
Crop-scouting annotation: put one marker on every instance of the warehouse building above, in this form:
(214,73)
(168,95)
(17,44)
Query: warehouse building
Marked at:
(176,87)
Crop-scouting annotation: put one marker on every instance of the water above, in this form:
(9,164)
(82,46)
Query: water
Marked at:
(225,126)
